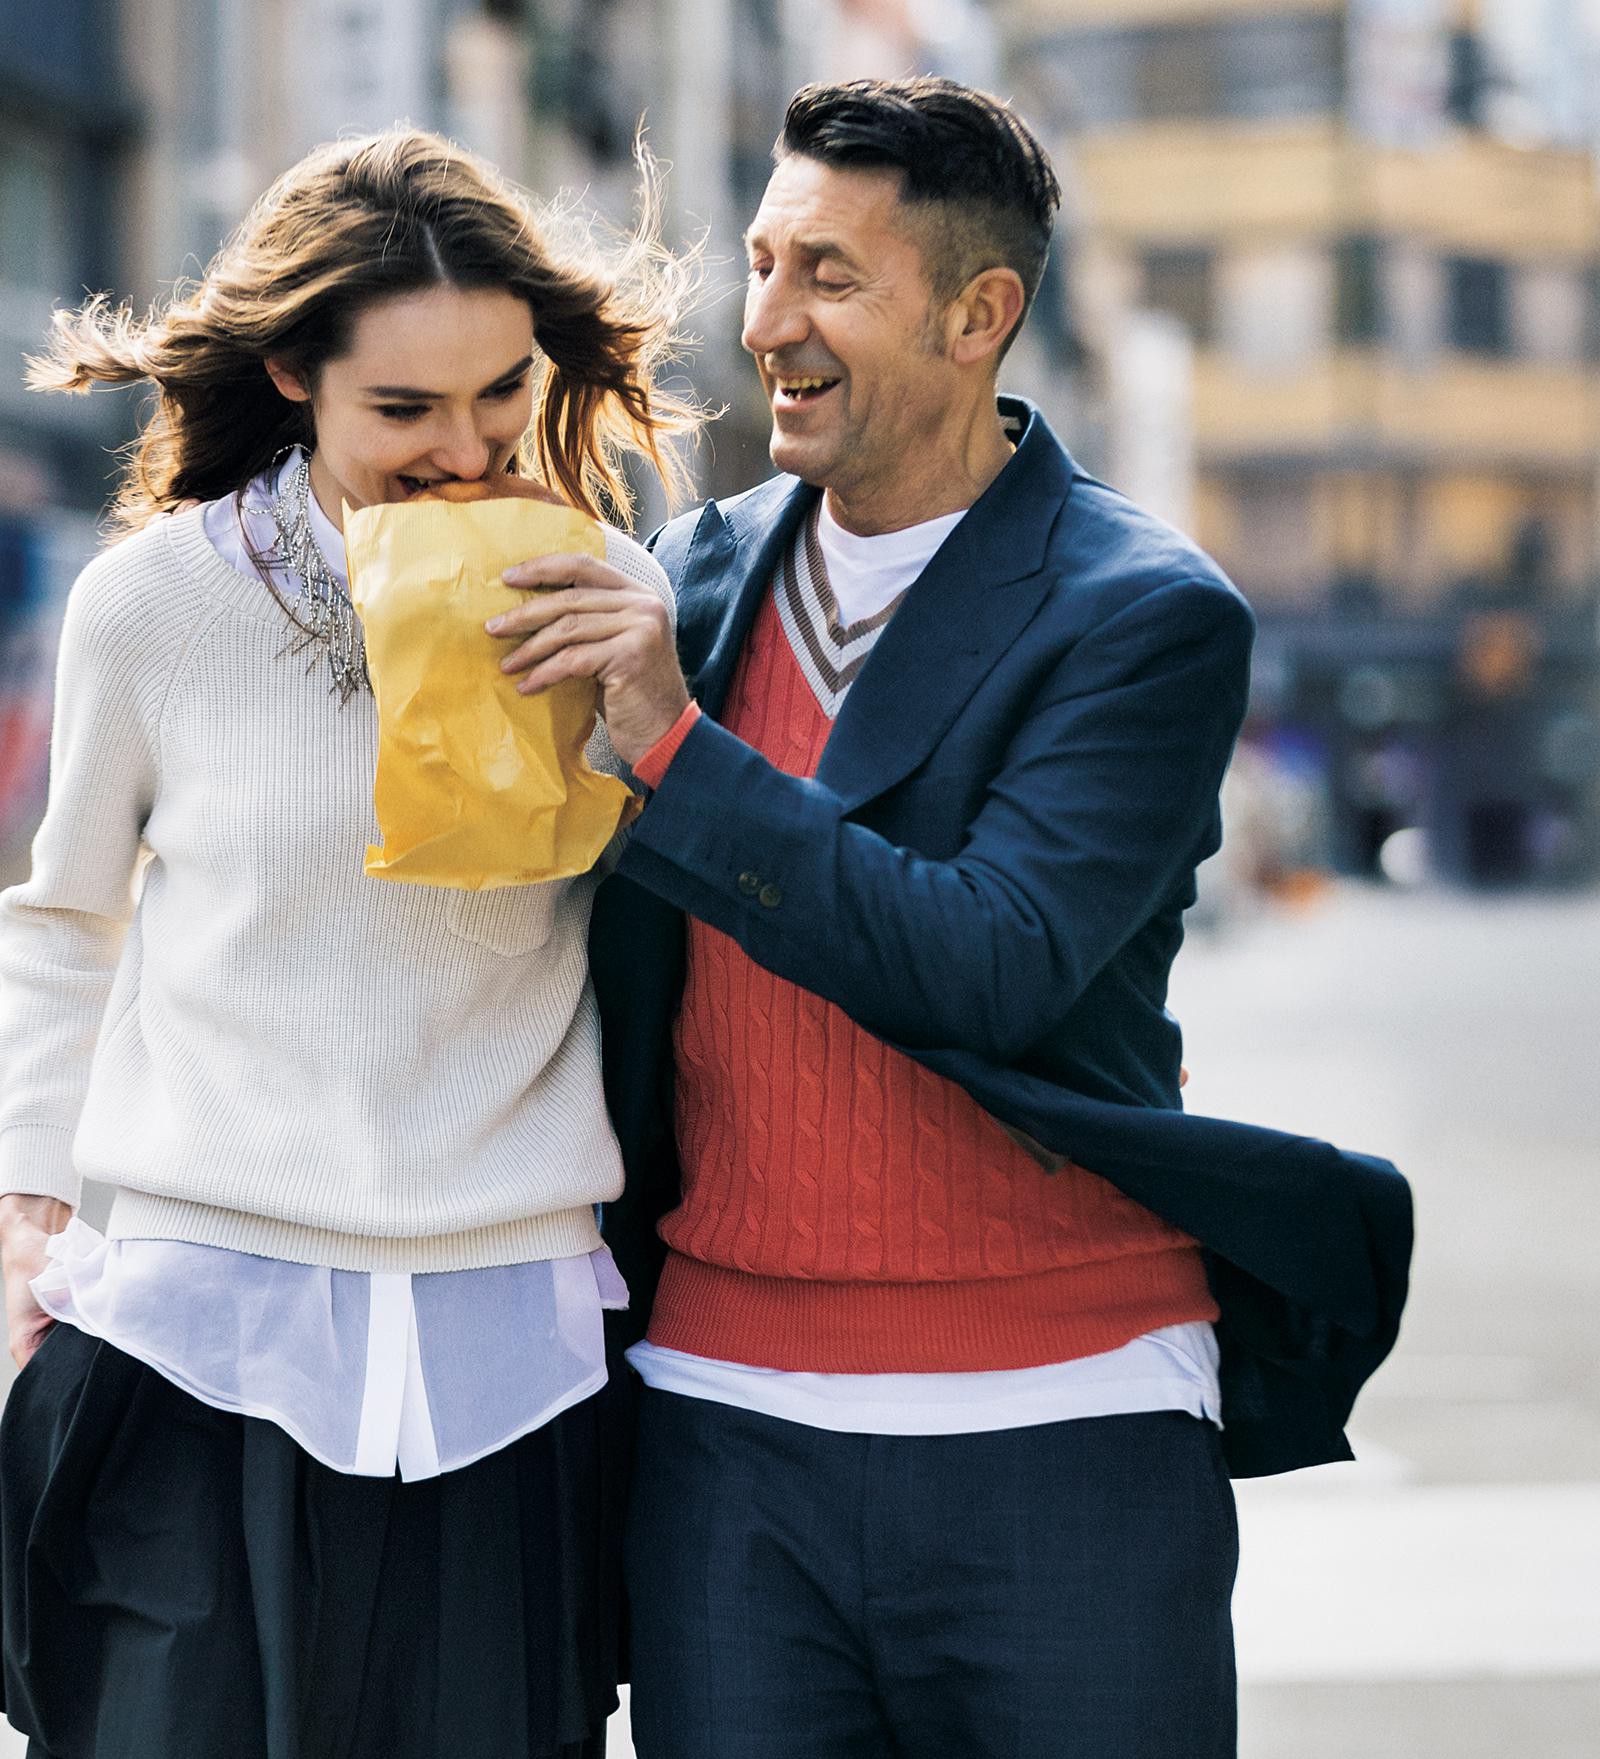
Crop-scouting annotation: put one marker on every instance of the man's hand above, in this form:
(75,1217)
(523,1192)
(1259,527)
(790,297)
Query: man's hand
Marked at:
(25,1224)
(586,620)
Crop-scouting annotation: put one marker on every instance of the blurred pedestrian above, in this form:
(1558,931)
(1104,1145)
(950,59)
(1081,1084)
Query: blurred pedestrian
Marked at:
(312,1453)
(929,1460)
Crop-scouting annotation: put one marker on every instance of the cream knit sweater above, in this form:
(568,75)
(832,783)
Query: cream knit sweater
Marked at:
(204,1001)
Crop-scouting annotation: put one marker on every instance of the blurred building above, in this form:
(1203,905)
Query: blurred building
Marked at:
(1345,268)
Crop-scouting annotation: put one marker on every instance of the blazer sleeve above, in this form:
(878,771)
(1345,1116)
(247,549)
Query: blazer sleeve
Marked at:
(1106,796)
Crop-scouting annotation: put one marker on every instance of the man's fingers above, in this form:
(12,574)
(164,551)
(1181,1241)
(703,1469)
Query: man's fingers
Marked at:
(586,659)
(571,629)
(545,608)
(567,570)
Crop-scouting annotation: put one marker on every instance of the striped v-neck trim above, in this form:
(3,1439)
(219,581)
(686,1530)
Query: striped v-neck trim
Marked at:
(831,658)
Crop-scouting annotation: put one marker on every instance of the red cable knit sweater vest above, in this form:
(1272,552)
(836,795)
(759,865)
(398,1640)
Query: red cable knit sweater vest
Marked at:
(846,1210)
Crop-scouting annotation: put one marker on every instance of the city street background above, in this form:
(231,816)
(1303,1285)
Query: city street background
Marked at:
(1325,293)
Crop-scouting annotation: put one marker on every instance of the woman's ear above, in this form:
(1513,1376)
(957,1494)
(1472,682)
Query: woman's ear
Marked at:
(289,383)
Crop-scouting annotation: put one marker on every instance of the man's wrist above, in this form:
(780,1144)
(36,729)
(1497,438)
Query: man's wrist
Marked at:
(652,766)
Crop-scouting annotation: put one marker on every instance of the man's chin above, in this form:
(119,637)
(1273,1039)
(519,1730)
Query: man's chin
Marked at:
(805,458)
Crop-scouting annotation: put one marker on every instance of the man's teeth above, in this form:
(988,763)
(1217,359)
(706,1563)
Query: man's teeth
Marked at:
(793,387)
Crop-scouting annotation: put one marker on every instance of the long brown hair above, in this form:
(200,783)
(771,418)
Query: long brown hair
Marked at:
(359,221)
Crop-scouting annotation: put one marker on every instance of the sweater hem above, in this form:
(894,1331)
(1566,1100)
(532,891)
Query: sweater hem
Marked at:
(143,1215)
(982,1324)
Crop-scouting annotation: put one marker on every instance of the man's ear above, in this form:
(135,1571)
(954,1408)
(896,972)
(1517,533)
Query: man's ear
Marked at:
(289,383)
(985,312)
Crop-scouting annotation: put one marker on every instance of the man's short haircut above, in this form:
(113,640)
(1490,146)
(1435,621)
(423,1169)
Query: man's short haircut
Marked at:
(988,188)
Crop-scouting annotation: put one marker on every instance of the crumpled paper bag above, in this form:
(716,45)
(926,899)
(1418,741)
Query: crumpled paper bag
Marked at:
(476,786)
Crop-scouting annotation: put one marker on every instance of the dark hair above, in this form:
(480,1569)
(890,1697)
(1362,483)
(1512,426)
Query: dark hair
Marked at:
(359,221)
(966,157)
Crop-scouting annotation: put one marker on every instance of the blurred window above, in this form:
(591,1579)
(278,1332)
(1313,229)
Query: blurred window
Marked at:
(1279,558)
(1591,328)
(1281,66)
(1181,281)
(1358,314)
(1471,80)
(1479,305)
(1547,313)
(68,51)
(1179,73)
(1287,66)
(33,209)
(1094,72)
(1413,304)
(1272,307)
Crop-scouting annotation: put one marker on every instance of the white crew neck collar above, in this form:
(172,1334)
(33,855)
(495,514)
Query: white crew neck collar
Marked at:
(867,574)
(926,534)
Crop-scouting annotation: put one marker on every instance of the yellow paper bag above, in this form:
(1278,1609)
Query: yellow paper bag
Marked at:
(476,786)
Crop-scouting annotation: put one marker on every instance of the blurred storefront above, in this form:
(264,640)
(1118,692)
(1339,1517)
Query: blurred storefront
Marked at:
(1375,223)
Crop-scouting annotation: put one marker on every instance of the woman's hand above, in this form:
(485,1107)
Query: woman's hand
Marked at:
(25,1224)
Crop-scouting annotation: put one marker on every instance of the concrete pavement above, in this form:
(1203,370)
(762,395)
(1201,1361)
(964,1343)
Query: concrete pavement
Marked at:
(1440,1599)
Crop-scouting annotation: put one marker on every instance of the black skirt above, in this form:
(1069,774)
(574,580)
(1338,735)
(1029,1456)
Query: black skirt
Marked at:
(177,1582)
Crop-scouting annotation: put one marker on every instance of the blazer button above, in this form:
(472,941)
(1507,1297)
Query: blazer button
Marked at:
(749,883)
(769,897)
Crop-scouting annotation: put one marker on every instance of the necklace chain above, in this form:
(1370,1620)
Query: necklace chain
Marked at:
(322,614)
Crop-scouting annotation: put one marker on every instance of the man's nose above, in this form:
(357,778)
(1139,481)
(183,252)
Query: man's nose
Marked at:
(774,316)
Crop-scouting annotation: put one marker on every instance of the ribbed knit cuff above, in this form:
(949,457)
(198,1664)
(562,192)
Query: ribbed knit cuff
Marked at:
(653,765)
(36,1161)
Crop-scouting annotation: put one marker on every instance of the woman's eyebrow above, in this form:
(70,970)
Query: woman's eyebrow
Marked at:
(413,394)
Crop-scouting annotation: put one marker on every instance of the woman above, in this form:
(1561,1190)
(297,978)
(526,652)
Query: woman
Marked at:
(356,1129)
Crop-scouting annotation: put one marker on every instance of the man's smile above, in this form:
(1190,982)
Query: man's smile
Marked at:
(798,391)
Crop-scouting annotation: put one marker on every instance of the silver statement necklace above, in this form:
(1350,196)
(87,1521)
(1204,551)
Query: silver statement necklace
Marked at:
(323,616)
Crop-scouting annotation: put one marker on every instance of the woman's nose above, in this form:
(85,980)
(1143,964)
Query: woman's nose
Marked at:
(463,453)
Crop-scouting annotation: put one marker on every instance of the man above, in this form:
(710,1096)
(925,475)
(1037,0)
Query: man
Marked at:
(929,1460)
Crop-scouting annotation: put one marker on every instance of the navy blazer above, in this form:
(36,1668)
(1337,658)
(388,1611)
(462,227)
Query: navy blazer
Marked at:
(989,870)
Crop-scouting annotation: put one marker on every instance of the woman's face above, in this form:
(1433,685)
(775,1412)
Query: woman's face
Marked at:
(435,386)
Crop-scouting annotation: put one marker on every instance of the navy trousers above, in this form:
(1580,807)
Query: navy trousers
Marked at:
(1058,1592)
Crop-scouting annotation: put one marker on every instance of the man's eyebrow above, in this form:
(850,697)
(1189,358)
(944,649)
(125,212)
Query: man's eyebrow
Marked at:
(815,248)
(414,394)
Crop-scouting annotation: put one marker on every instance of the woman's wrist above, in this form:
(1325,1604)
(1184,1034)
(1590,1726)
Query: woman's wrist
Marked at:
(48,1214)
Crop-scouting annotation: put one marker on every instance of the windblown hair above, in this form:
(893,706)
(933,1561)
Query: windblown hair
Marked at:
(364,220)
(970,167)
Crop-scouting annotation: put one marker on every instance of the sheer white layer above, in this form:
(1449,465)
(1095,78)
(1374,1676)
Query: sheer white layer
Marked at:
(369,1372)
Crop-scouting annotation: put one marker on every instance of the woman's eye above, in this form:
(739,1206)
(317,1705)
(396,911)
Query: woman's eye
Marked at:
(402,411)
(501,393)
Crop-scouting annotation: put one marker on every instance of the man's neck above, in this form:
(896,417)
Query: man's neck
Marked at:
(944,479)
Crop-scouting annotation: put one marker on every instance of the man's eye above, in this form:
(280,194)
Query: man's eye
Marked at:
(760,271)
(834,286)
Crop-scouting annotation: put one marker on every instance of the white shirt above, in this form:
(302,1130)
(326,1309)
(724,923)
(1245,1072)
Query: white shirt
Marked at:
(369,1372)
(1172,1369)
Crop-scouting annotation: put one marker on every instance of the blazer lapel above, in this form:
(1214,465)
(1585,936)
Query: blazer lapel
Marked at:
(968,606)
(728,568)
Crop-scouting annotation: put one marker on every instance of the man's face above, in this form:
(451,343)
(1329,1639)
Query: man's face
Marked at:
(841,321)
